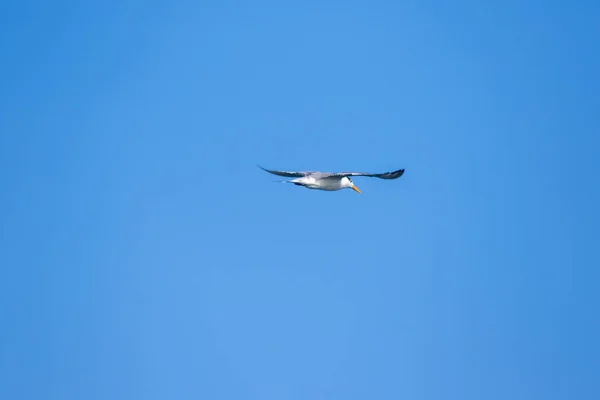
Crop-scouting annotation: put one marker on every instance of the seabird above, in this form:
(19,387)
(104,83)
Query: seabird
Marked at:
(329,180)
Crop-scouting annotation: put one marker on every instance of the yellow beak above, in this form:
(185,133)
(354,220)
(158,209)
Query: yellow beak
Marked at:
(355,189)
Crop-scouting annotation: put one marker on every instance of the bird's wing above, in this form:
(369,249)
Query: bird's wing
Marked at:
(290,174)
(384,175)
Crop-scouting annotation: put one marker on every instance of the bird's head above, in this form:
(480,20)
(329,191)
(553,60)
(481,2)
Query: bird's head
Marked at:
(347,183)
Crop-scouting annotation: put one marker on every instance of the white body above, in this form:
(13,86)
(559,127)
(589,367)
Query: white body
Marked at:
(329,184)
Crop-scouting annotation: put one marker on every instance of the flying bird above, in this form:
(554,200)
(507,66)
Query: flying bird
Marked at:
(329,180)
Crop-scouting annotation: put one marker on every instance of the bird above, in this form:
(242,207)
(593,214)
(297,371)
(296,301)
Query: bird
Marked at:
(329,181)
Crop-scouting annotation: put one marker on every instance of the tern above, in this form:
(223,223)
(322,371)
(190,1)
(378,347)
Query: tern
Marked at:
(329,181)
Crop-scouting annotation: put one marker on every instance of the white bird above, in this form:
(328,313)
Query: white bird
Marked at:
(330,180)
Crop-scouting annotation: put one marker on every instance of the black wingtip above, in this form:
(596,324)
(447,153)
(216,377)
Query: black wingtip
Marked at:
(396,174)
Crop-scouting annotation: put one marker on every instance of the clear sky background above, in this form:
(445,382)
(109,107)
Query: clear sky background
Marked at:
(145,256)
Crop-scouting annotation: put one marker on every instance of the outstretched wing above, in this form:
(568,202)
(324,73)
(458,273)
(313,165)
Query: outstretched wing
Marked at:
(385,175)
(290,174)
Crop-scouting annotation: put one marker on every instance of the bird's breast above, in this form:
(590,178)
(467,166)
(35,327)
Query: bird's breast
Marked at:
(329,184)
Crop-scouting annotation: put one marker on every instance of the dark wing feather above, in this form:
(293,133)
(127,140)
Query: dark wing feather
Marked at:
(385,175)
(288,174)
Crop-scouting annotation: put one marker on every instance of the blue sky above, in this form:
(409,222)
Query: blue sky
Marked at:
(145,256)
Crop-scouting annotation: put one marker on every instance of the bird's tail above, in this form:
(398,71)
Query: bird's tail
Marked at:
(295,183)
